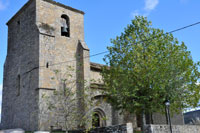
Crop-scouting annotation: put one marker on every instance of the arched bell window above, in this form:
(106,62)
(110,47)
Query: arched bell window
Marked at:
(65,26)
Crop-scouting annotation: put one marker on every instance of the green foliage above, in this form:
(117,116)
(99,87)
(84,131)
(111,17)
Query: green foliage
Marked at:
(64,102)
(146,67)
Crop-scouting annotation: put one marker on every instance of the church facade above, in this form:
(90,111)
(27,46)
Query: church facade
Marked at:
(44,36)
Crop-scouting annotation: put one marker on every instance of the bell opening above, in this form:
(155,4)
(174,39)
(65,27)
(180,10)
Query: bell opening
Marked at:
(65,31)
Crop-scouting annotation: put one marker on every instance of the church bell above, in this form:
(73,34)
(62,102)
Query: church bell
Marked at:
(64,30)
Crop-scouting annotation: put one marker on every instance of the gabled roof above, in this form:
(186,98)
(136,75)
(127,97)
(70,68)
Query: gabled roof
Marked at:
(96,66)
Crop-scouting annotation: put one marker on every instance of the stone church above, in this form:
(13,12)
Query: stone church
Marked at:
(44,36)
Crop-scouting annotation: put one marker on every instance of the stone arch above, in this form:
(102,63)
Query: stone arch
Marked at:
(99,118)
(99,97)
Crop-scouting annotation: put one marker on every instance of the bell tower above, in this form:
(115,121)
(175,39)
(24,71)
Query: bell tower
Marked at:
(43,36)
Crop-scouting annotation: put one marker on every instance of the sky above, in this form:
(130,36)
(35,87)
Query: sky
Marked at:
(105,19)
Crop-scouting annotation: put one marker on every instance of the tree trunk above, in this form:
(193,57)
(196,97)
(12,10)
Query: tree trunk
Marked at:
(151,118)
(143,120)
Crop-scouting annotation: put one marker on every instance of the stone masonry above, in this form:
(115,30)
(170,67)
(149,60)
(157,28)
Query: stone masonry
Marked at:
(36,48)
(34,40)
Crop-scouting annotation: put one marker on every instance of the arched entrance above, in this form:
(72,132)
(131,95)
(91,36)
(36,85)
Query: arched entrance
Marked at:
(99,118)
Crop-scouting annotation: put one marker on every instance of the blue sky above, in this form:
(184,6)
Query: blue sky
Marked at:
(104,19)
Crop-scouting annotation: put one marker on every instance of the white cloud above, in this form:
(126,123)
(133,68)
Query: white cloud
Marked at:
(150,4)
(138,13)
(146,10)
(3,5)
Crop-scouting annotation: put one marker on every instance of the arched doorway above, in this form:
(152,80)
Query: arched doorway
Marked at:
(99,118)
(96,120)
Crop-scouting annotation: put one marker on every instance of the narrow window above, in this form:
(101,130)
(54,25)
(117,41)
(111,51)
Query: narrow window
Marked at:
(65,26)
(18,85)
(18,22)
(64,88)
(47,65)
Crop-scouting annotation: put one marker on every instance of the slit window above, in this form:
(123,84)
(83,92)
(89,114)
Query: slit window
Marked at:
(18,85)
(47,65)
(65,26)
(64,88)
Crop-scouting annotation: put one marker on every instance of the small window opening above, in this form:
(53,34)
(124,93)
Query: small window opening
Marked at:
(47,65)
(18,22)
(18,85)
(64,88)
(65,26)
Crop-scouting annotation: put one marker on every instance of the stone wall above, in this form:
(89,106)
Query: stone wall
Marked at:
(175,129)
(54,49)
(176,118)
(19,102)
(111,129)
(34,40)
(124,128)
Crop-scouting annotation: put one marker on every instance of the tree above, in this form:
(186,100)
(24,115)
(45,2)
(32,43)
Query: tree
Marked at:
(66,105)
(148,66)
